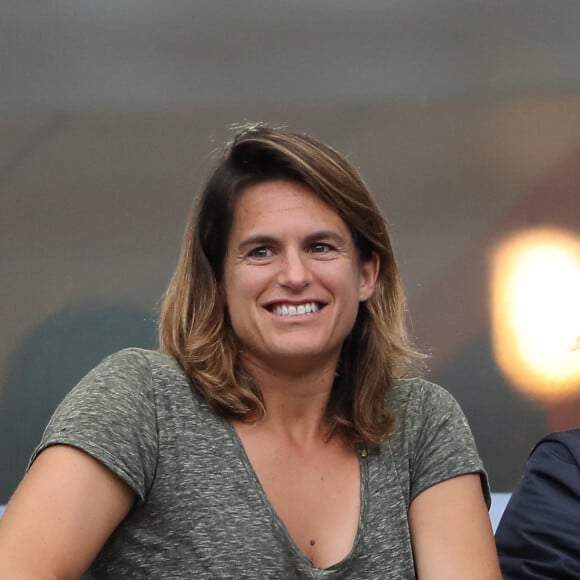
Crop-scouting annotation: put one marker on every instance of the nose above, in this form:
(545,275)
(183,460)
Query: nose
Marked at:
(294,272)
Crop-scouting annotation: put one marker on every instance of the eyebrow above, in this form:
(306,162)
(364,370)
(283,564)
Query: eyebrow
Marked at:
(262,239)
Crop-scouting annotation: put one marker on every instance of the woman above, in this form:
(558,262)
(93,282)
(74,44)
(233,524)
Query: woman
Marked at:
(272,439)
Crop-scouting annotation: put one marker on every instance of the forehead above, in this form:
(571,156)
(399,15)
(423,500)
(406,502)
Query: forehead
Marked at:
(281,204)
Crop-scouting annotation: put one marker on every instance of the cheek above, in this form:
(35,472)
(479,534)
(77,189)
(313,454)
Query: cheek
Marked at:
(243,289)
(243,285)
(346,282)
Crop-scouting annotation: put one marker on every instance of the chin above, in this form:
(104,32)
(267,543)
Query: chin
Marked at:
(301,355)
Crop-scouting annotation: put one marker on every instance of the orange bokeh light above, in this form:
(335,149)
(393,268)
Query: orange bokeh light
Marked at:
(535,303)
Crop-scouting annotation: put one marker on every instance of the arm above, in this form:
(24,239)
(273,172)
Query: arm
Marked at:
(451,532)
(62,513)
(538,535)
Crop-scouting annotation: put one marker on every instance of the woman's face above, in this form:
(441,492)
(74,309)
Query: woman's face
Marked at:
(293,279)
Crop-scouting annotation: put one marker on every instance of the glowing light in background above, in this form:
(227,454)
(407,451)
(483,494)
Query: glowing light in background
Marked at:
(536,312)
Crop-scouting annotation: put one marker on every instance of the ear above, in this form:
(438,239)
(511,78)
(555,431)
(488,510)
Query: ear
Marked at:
(369,271)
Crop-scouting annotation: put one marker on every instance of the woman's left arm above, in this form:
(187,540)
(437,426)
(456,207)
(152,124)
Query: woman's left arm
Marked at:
(451,532)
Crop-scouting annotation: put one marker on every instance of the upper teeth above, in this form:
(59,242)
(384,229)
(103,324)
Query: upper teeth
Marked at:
(292,310)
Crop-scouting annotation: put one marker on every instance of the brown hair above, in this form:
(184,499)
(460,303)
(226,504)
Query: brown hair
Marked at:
(194,326)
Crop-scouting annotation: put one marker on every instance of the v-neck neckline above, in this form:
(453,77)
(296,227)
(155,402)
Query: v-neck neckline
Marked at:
(273,515)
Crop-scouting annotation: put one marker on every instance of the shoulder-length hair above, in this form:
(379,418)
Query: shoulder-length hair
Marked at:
(194,325)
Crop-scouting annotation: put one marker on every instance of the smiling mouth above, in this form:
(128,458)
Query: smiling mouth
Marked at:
(295,309)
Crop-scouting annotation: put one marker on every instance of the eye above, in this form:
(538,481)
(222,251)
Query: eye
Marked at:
(261,253)
(321,248)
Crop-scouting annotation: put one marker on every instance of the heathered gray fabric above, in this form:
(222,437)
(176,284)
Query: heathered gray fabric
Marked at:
(201,512)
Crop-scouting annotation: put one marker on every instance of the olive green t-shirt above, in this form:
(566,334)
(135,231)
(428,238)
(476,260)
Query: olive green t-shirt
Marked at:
(200,511)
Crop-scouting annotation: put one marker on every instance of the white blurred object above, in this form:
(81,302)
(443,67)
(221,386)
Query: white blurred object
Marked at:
(499,502)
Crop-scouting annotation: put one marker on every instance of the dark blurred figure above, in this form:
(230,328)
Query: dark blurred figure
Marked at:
(46,366)
(539,533)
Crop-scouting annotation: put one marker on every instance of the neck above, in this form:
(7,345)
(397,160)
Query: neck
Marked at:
(295,400)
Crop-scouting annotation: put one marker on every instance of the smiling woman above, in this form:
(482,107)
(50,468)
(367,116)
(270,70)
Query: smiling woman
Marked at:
(289,252)
(276,434)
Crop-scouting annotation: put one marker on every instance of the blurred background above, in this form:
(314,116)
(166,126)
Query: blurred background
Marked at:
(463,116)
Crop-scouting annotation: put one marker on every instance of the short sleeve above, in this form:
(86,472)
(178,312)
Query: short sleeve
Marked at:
(110,414)
(443,444)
